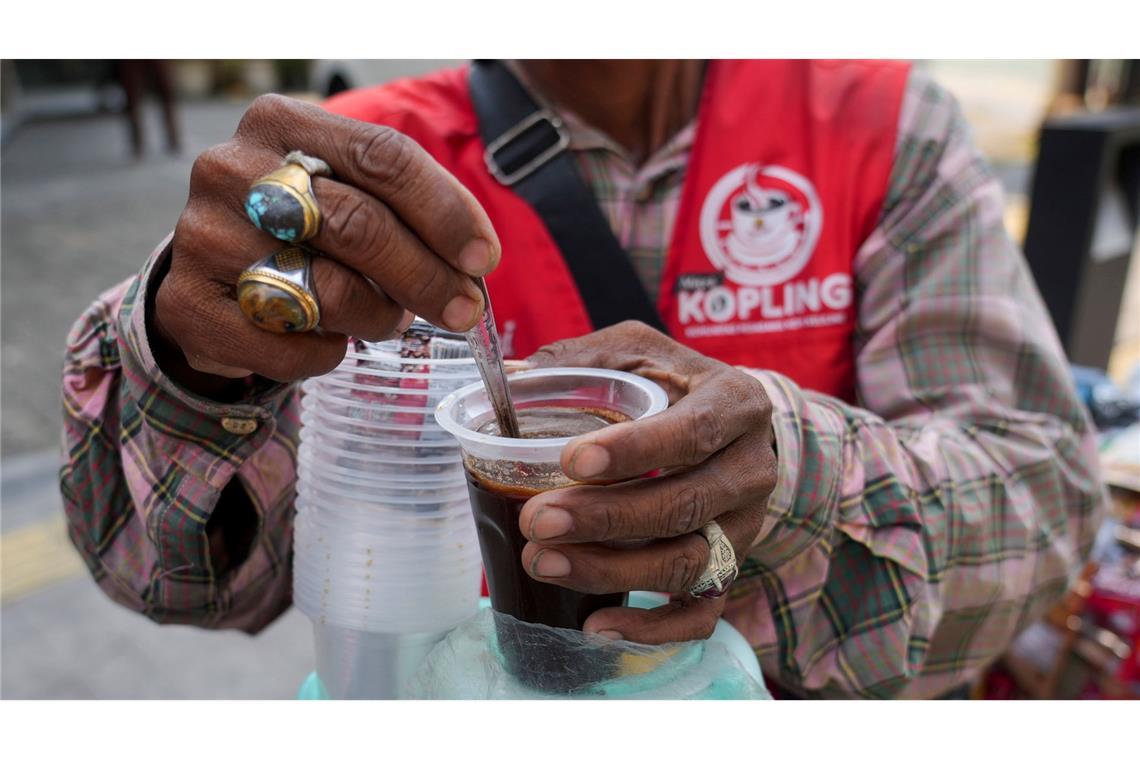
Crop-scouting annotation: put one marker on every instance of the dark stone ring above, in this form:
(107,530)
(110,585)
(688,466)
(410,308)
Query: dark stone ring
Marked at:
(282,202)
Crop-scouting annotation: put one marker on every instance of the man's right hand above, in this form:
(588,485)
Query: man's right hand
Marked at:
(399,234)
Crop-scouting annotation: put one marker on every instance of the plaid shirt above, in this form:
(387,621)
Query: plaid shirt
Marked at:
(909,537)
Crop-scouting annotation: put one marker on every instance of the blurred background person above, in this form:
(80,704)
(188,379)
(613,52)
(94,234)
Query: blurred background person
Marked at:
(137,77)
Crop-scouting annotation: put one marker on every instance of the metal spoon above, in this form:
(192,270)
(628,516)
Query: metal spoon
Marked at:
(484,341)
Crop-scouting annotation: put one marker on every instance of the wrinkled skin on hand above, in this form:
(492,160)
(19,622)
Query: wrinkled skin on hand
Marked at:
(399,235)
(714,453)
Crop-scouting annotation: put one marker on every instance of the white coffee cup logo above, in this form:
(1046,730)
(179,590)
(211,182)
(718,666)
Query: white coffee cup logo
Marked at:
(759,224)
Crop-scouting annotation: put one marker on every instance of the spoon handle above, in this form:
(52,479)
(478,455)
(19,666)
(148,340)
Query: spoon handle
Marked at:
(484,341)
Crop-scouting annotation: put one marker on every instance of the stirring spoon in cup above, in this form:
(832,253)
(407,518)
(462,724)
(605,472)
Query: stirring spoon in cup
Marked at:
(484,341)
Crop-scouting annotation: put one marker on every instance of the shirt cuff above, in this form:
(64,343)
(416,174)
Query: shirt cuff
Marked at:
(231,431)
(786,427)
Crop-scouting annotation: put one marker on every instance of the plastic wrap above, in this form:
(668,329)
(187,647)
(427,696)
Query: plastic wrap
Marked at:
(479,660)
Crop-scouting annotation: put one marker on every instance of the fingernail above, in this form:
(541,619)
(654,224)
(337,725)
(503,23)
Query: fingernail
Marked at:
(550,564)
(475,258)
(459,314)
(550,522)
(589,460)
(611,635)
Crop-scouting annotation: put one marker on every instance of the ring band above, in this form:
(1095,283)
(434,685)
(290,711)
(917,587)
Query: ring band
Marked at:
(721,569)
(277,293)
(282,202)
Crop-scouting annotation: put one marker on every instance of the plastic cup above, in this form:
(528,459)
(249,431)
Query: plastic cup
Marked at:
(378,494)
(386,559)
(503,473)
(349,405)
(371,491)
(390,534)
(345,552)
(418,420)
(360,478)
(398,446)
(431,478)
(405,592)
(389,586)
(381,533)
(351,387)
(387,465)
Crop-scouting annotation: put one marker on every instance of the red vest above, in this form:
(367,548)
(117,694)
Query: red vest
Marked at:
(785,181)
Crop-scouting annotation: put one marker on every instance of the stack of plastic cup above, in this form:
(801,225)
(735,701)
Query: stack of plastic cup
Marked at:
(386,560)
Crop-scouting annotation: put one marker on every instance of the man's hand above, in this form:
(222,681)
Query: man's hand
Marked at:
(400,235)
(714,450)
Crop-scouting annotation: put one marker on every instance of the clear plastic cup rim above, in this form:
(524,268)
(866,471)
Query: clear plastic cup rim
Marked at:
(355,566)
(312,385)
(401,542)
(321,537)
(343,376)
(383,506)
(385,480)
(539,449)
(335,472)
(417,625)
(325,418)
(405,462)
(379,347)
(390,519)
(381,575)
(364,478)
(426,410)
(330,553)
(378,527)
(426,501)
(428,375)
(312,400)
(349,593)
(398,490)
(309,506)
(411,600)
(368,618)
(316,572)
(310,431)
(448,561)
(351,616)
(327,437)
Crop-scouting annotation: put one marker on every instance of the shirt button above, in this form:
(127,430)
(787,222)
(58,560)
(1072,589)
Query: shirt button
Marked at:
(239,425)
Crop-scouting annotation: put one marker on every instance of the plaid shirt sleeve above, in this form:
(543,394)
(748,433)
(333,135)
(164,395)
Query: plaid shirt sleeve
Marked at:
(911,536)
(145,465)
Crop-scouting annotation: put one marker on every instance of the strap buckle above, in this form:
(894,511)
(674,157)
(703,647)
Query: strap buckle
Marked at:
(561,142)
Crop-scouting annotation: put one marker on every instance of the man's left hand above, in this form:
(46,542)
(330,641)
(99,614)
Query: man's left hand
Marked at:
(714,451)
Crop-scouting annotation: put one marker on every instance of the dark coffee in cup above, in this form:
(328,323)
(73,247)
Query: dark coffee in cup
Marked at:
(499,489)
(535,621)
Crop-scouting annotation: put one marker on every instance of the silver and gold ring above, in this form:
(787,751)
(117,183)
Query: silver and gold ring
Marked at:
(721,569)
(277,292)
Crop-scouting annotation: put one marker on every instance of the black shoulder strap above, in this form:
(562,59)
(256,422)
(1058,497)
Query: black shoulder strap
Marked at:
(526,151)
